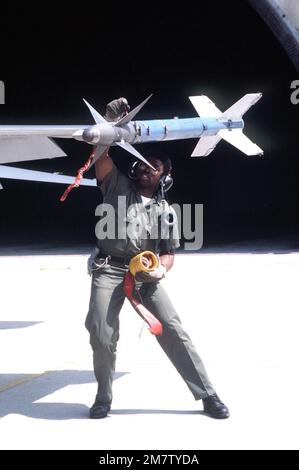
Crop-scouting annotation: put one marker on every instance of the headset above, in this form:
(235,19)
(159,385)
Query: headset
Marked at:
(165,183)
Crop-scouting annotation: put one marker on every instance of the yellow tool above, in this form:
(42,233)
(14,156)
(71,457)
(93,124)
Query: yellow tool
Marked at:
(146,261)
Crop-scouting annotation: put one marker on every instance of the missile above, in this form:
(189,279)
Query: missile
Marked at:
(210,128)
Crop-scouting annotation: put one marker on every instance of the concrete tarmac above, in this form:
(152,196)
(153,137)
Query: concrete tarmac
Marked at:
(241,311)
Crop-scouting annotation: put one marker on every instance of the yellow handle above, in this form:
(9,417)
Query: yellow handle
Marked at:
(146,261)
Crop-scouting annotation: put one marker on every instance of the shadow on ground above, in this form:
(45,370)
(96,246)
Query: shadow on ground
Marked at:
(143,411)
(21,398)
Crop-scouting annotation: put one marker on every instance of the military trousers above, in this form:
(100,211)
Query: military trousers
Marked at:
(102,322)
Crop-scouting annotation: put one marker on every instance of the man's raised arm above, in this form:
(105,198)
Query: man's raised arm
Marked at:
(115,110)
(103,166)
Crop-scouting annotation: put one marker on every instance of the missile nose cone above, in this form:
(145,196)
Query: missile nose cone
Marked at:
(88,135)
(91,135)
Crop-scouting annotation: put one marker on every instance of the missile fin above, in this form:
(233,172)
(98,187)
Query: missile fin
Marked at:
(206,145)
(99,150)
(237,110)
(239,140)
(97,116)
(129,148)
(205,107)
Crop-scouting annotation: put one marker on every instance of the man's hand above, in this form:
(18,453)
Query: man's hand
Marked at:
(151,276)
(116,109)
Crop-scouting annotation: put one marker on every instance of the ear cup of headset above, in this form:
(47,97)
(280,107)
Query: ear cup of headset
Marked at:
(166,181)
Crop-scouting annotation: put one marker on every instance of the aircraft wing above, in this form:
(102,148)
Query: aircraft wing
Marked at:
(24,149)
(10,172)
(63,131)
(24,143)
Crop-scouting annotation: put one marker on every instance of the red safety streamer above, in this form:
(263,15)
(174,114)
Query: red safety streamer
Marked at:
(79,177)
(155,326)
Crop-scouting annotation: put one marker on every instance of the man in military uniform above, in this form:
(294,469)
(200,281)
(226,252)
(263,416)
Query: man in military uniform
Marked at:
(144,191)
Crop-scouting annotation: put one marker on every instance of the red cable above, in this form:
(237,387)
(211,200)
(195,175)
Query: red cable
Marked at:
(79,176)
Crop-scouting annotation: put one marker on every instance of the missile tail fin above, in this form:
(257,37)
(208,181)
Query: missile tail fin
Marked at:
(238,139)
(237,110)
(206,145)
(205,107)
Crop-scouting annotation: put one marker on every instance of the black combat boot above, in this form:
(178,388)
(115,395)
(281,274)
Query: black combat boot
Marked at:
(99,410)
(213,406)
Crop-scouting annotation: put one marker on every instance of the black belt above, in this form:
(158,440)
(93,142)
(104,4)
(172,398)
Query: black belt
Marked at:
(115,260)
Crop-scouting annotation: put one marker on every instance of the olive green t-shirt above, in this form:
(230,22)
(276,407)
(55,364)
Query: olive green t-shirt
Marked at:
(127,227)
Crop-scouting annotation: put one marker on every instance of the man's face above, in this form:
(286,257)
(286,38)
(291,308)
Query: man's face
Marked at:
(147,177)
